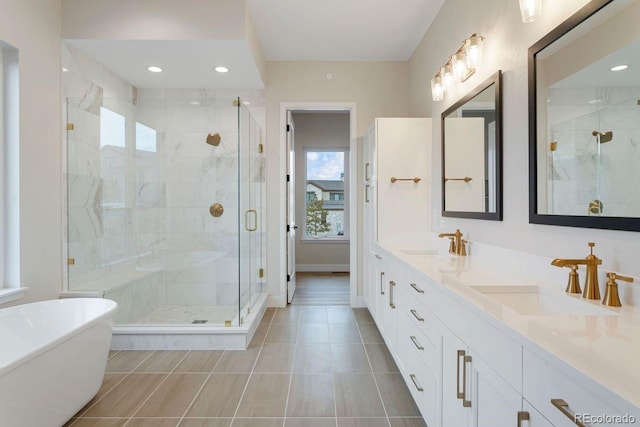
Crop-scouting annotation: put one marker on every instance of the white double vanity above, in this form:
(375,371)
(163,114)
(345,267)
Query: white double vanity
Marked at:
(489,339)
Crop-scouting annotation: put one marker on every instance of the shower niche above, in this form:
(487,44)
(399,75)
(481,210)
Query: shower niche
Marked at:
(144,173)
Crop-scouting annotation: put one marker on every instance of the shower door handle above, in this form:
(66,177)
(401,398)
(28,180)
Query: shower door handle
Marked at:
(255,220)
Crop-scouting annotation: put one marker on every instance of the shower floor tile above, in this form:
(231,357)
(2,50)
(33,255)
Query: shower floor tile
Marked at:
(187,314)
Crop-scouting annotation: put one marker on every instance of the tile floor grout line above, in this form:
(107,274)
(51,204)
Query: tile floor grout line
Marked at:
(246,385)
(375,381)
(155,389)
(295,349)
(127,374)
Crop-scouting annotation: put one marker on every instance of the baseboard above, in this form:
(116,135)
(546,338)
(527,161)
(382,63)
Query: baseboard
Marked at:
(275,301)
(322,268)
(360,302)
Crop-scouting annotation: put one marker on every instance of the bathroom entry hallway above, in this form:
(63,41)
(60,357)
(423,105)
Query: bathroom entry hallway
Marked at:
(307,366)
(313,288)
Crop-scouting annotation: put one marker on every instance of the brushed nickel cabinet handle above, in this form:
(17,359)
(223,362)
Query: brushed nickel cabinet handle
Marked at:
(367,177)
(459,394)
(418,290)
(416,315)
(415,382)
(522,416)
(563,407)
(465,403)
(366,193)
(416,343)
(392,285)
(382,283)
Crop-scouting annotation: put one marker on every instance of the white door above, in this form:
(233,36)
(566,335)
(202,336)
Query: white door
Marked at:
(291,209)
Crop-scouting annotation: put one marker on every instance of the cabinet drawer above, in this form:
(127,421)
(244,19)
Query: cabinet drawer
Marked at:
(420,381)
(414,341)
(418,315)
(422,290)
(543,382)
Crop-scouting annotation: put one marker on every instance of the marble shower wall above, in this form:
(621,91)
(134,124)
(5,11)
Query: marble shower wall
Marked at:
(581,170)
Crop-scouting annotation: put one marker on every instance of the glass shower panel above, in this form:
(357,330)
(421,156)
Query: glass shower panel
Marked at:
(156,210)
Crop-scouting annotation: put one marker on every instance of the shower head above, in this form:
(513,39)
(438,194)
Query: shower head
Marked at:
(603,136)
(214,139)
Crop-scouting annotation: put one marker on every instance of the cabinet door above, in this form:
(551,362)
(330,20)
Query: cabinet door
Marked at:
(454,413)
(393,278)
(493,402)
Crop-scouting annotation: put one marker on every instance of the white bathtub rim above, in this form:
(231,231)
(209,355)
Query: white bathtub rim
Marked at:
(112,307)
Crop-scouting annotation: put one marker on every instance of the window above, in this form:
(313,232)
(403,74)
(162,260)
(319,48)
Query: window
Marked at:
(146,138)
(326,208)
(9,180)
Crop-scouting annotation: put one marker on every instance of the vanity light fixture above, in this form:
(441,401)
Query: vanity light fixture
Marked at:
(530,10)
(460,66)
(619,67)
(221,69)
(154,69)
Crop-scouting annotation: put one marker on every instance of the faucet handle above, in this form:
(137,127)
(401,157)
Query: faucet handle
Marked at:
(573,286)
(611,296)
(463,247)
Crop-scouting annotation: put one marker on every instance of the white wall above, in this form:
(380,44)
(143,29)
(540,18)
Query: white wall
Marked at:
(379,89)
(317,130)
(33,27)
(506,45)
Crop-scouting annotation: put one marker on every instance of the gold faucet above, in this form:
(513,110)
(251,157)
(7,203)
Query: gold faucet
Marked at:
(457,245)
(591,289)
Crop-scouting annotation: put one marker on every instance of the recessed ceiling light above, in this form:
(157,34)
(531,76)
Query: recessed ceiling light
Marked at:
(619,67)
(154,69)
(194,102)
(594,101)
(221,69)
(246,102)
(65,69)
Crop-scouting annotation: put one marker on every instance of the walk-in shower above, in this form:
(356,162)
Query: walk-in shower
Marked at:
(169,227)
(593,155)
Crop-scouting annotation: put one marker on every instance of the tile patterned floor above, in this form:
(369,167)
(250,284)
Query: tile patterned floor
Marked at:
(321,289)
(308,366)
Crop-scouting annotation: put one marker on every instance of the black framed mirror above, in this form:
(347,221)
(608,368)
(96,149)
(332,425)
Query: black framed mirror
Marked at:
(472,153)
(584,119)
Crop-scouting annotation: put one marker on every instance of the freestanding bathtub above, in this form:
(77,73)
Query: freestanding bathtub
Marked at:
(53,356)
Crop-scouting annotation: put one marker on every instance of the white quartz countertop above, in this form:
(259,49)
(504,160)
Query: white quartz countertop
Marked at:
(603,345)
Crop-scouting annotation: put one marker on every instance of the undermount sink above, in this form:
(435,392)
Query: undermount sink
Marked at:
(419,251)
(537,301)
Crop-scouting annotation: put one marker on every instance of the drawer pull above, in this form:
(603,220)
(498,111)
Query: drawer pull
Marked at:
(416,315)
(415,382)
(392,285)
(563,407)
(522,416)
(462,394)
(418,290)
(381,283)
(366,194)
(416,343)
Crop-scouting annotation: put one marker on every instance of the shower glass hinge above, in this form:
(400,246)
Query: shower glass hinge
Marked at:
(260,148)
(70,126)
(553,146)
(261,272)
(236,102)
(71,261)
(227,323)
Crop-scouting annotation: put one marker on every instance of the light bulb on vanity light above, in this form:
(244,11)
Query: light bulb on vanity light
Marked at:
(530,10)
(437,88)
(473,49)
(448,78)
(459,62)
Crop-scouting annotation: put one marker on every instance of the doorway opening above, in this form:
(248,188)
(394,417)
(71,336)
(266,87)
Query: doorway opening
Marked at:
(320,214)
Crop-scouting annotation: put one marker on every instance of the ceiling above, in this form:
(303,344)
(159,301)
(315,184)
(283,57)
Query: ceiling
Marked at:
(341,30)
(295,30)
